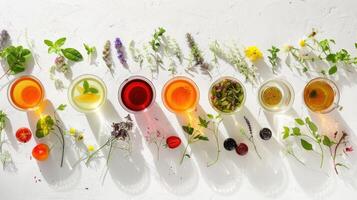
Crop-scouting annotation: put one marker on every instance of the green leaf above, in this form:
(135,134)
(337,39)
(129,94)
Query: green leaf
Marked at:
(300,121)
(331,57)
(44,126)
(72,54)
(210,116)
(332,70)
(204,123)
(48,43)
(93,90)
(60,42)
(61,107)
(311,125)
(306,145)
(188,129)
(204,138)
(85,86)
(286,132)
(342,165)
(296,131)
(326,141)
(187,155)
(356,45)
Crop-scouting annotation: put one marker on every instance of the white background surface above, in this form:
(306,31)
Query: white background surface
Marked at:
(140,176)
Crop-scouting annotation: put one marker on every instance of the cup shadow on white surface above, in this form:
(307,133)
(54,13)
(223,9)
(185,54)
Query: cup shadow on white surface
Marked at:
(177,179)
(223,177)
(58,178)
(264,70)
(312,179)
(267,175)
(128,171)
(329,123)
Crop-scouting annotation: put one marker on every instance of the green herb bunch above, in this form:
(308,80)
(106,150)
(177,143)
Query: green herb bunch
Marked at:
(196,57)
(313,136)
(196,134)
(273,58)
(233,56)
(57,48)
(16,57)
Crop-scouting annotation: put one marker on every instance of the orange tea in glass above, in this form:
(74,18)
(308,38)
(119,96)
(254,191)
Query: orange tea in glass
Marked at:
(26,93)
(321,95)
(180,94)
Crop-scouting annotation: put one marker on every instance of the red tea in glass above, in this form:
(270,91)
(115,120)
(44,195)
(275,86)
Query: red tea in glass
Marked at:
(136,94)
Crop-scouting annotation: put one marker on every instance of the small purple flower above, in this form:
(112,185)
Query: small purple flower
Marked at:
(120,51)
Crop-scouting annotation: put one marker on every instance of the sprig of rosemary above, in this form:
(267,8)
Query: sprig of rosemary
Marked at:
(250,137)
(196,57)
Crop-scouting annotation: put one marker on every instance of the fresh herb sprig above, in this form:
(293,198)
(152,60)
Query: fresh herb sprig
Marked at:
(48,124)
(233,56)
(211,123)
(320,140)
(89,89)
(120,133)
(196,57)
(57,47)
(5,156)
(89,49)
(250,136)
(16,57)
(156,41)
(273,58)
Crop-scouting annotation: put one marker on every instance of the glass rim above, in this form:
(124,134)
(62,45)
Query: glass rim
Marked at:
(288,86)
(334,87)
(233,79)
(11,85)
(194,106)
(140,77)
(75,81)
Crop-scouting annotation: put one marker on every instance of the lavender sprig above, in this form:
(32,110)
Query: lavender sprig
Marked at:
(251,137)
(4,39)
(121,52)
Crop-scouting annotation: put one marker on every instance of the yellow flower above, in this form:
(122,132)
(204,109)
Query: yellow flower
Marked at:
(90,148)
(302,43)
(72,131)
(253,53)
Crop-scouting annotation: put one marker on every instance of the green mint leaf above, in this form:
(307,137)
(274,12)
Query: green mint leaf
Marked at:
(60,42)
(356,45)
(300,121)
(210,116)
(286,132)
(48,43)
(61,107)
(331,58)
(306,145)
(85,86)
(332,70)
(93,90)
(188,129)
(72,54)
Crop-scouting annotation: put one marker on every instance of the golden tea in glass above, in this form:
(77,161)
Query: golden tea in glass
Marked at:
(321,95)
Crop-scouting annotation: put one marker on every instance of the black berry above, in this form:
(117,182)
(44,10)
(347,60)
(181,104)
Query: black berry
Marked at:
(265,134)
(229,144)
(242,149)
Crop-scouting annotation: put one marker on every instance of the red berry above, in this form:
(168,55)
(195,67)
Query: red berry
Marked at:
(40,152)
(173,142)
(242,149)
(23,134)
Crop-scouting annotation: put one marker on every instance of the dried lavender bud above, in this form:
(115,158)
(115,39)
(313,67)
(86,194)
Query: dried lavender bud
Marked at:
(249,125)
(4,38)
(120,51)
(107,55)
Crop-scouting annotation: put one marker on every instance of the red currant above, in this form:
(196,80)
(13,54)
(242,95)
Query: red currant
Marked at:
(40,152)
(242,149)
